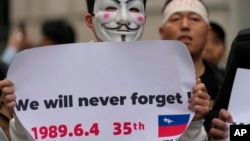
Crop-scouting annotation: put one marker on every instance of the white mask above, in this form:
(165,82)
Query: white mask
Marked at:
(119,20)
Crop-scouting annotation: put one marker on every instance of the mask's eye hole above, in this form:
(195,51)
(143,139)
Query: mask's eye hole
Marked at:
(136,10)
(110,9)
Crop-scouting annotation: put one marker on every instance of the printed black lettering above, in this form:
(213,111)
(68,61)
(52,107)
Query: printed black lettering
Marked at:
(63,101)
(102,101)
(159,100)
(23,105)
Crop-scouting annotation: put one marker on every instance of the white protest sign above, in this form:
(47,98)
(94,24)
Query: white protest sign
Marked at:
(104,91)
(239,100)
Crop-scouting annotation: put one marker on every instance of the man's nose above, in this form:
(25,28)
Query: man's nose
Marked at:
(185,23)
(124,17)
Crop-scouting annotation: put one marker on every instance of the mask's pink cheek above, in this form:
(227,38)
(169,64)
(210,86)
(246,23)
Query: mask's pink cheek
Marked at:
(106,16)
(140,19)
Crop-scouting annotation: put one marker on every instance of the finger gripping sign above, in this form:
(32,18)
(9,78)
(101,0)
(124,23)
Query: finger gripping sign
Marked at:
(104,91)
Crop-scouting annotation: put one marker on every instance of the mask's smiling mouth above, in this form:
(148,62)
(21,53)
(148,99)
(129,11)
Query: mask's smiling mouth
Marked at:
(123,27)
(120,30)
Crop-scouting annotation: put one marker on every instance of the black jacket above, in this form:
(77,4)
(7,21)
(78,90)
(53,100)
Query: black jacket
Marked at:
(239,57)
(213,79)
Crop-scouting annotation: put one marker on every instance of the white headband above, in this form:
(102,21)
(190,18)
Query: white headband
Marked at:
(185,5)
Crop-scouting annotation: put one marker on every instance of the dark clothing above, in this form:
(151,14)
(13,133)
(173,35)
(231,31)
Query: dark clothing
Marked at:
(5,115)
(213,79)
(3,70)
(239,57)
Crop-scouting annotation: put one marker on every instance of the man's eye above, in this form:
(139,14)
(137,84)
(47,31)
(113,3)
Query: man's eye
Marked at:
(174,19)
(110,9)
(195,19)
(136,10)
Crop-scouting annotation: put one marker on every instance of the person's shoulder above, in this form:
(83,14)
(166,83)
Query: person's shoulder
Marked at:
(211,66)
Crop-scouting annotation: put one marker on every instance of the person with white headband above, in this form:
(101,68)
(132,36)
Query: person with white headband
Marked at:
(117,20)
(187,21)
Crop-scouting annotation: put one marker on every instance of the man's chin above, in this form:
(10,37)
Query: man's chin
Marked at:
(124,37)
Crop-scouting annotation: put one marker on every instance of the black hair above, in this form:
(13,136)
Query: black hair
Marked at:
(168,2)
(59,31)
(218,30)
(91,3)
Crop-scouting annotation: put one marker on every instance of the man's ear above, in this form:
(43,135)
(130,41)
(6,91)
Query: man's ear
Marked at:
(160,30)
(89,21)
(90,24)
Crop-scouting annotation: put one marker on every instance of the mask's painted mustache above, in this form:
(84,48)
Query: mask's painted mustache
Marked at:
(120,26)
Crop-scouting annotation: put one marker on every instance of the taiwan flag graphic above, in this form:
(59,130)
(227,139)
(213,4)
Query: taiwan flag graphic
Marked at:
(172,125)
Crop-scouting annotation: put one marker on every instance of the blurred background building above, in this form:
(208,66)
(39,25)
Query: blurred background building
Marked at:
(233,15)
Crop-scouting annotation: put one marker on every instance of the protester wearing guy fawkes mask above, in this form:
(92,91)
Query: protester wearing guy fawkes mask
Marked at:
(119,20)
(114,20)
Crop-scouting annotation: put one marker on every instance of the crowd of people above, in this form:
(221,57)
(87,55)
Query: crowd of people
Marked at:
(204,39)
